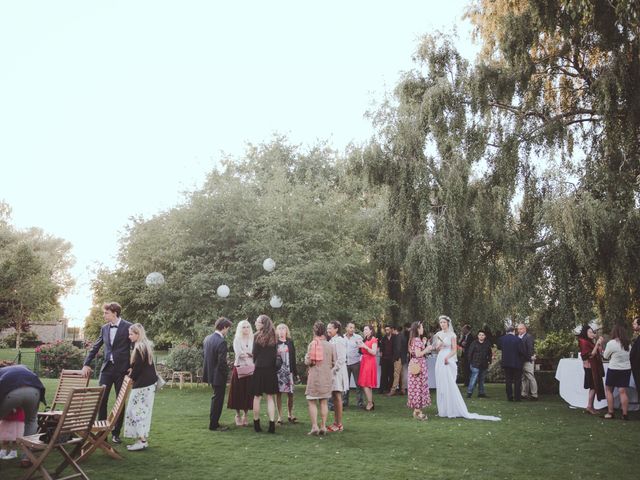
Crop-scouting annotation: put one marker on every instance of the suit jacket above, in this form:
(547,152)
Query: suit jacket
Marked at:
(465,343)
(121,348)
(634,357)
(527,339)
(512,351)
(216,369)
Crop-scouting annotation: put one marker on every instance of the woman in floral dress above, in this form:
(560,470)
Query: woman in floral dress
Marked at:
(418,393)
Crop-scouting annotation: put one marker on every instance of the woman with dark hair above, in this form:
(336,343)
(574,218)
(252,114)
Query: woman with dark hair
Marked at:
(591,353)
(321,359)
(368,378)
(619,371)
(264,379)
(418,392)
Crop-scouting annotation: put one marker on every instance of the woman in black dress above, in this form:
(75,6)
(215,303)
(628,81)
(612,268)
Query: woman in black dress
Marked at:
(264,380)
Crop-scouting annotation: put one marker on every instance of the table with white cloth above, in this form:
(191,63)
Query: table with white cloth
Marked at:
(570,374)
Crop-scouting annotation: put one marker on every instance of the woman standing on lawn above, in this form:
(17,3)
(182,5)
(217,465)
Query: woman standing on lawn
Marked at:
(418,396)
(264,379)
(619,371)
(137,421)
(287,371)
(591,353)
(368,378)
(240,398)
(321,359)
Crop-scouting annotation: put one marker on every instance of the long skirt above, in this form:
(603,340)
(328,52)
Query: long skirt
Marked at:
(137,417)
(240,397)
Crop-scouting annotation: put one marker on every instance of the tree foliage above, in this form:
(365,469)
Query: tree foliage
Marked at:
(303,209)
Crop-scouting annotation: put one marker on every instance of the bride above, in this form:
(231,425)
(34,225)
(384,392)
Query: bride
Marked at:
(450,402)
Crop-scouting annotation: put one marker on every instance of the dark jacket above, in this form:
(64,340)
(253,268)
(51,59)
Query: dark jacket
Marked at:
(16,376)
(383,346)
(121,348)
(397,346)
(404,347)
(264,357)
(142,373)
(512,351)
(479,354)
(465,343)
(293,368)
(527,340)
(216,369)
(634,358)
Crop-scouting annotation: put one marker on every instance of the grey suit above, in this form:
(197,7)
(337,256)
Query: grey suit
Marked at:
(215,373)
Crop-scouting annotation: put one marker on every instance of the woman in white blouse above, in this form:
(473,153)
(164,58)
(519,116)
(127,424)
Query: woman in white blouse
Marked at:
(619,371)
(340,383)
(240,398)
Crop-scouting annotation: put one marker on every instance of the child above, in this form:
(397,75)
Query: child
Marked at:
(11,427)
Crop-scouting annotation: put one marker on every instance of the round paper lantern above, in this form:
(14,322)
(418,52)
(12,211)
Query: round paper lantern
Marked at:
(269,264)
(154,279)
(275,302)
(223,291)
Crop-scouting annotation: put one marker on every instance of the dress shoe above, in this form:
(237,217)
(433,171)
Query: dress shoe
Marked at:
(219,428)
(482,395)
(115,439)
(256,425)
(469,395)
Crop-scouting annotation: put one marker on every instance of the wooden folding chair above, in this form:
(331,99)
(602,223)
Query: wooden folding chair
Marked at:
(69,379)
(72,428)
(97,436)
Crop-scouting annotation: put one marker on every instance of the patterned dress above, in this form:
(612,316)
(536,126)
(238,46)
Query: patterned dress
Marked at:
(418,395)
(285,377)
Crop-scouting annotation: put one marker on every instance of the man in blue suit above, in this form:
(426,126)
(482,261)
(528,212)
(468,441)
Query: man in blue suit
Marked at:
(216,370)
(512,357)
(114,335)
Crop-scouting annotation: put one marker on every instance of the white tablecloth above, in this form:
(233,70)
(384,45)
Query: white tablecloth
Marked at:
(570,374)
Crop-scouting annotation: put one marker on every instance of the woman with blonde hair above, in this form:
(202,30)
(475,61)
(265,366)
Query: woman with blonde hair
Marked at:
(287,371)
(240,398)
(137,421)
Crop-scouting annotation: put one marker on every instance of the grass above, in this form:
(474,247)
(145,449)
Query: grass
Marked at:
(543,439)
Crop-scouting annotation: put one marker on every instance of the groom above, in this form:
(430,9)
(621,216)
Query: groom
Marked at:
(216,370)
(114,335)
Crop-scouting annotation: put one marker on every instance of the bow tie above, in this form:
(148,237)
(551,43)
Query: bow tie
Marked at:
(113,326)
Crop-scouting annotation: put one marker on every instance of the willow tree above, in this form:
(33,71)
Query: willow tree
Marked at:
(513,180)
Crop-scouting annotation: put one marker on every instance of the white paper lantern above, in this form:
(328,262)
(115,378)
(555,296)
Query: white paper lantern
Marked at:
(269,264)
(223,291)
(154,279)
(275,302)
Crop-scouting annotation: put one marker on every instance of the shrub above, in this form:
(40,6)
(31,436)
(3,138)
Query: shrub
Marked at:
(185,358)
(28,340)
(556,345)
(54,357)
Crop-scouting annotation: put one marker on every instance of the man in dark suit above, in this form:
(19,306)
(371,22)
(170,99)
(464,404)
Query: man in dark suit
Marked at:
(114,335)
(512,355)
(386,360)
(634,355)
(466,339)
(216,370)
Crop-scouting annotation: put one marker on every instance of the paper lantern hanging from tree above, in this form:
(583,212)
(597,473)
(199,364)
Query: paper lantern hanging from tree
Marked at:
(275,302)
(269,264)
(154,279)
(223,291)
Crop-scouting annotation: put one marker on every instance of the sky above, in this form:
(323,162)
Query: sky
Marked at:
(112,110)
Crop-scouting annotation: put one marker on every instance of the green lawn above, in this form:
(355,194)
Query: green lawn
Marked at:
(543,439)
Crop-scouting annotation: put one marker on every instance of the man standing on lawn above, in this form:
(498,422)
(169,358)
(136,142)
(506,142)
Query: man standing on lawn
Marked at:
(529,384)
(114,335)
(216,370)
(512,355)
(634,355)
(354,342)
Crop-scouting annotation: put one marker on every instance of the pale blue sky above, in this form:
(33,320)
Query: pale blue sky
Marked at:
(112,109)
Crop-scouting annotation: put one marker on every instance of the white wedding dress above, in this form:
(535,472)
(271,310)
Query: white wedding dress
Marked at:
(450,402)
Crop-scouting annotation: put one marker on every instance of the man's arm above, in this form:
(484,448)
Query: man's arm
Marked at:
(86,369)
(223,368)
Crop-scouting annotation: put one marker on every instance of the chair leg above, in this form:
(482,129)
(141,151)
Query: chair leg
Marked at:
(68,460)
(36,463)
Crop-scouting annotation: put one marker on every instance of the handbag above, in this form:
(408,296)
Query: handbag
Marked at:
(414,368)
(245,370)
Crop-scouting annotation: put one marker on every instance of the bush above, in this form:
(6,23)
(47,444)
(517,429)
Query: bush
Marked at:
(554,346)
(55,357)
(28,340)
(185,358)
